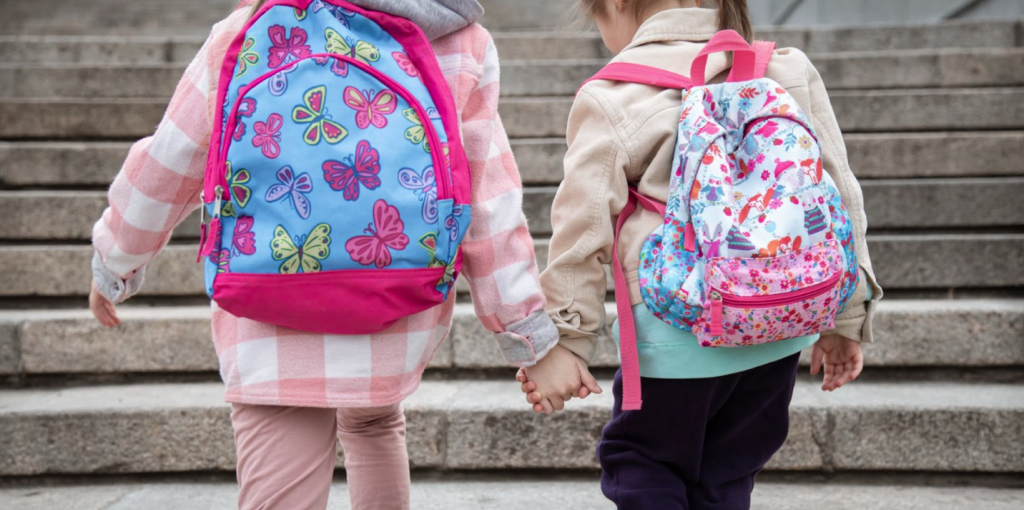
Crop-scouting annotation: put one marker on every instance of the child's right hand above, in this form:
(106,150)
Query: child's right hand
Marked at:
(102,308)
(555,379)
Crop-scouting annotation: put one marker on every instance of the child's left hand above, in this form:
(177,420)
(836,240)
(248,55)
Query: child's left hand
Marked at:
(842,359)
(102,308)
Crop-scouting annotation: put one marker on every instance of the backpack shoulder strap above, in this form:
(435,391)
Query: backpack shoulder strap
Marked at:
(639,73)
(762,55)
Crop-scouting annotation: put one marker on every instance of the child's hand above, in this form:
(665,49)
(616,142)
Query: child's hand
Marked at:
(555,379)
(842,358)
(102,308)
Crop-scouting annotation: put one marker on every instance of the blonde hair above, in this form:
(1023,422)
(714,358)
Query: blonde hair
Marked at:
(732,14)
(255,6)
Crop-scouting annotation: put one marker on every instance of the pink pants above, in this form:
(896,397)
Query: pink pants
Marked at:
(286,456)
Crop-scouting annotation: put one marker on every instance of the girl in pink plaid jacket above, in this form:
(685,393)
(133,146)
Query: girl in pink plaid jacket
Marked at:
(293,391)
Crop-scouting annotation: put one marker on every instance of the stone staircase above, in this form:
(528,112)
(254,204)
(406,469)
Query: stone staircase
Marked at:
(133,417)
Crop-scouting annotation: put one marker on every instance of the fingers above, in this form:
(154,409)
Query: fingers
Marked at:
(817,353)
(534,397)
(830,370)
(528,386)
(547,406)
(557,403)
(584,392)
(521,376)
(588,381)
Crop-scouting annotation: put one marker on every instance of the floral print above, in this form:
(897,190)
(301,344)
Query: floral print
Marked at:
(750,171)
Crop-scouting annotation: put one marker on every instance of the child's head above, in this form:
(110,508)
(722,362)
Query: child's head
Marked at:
(618,20)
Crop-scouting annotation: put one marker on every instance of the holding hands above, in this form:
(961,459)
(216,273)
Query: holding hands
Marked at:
(558,377)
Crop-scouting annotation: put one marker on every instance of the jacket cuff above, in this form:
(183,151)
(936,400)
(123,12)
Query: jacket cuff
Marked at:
(856,323)
(528,340)
(111,286)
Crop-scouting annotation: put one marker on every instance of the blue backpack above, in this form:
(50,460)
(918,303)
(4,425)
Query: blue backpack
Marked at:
(336,182)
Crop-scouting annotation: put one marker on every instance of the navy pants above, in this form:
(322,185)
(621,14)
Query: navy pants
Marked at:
(696,444)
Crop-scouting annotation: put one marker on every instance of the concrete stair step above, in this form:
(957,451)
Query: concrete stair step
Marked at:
(840,71)
(536,45)
(536,117)
(470,425)
(912,261)
(901,70)
(856,111)
(506,492)
(908,203)
(872,156)
(908,333)
(97,49)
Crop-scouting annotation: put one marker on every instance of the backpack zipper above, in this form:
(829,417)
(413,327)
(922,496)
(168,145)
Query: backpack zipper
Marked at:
(719,299)
(444,176)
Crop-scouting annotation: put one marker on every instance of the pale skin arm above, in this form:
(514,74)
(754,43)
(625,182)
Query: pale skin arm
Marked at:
(102,308)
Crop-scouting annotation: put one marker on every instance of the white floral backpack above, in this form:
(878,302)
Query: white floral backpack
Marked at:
(756,245)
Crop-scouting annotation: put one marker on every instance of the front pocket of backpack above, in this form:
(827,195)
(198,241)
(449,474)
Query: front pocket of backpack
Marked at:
(762,300)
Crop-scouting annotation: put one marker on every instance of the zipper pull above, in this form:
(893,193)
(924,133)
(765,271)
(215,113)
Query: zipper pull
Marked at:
(716,314)
(202,227)
(213,231)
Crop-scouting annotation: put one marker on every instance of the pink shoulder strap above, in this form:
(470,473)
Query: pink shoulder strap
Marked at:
(631,396)
(639,73)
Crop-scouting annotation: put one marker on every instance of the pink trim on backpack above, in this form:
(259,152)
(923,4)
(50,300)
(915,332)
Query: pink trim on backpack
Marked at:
(638,73)
(346,302)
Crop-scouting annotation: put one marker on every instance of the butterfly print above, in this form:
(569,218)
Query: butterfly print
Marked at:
(429,242)
(452,223)
(246,107)
(303,253)
(294,188)
(340,14)
(386,233)
(425,187)
(314,113)
(247,58)
(361,51)
(352,173)
(371,111)
(268,135)
(222,259)
(244,241)
(284,50)
(278,83)
(237,185)
(239,131)
(417,134)
(405,64)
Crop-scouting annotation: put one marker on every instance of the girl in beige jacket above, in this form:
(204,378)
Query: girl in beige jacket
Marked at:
(711,417)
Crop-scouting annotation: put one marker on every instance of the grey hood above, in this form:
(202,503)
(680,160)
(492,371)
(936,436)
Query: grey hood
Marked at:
(436,18)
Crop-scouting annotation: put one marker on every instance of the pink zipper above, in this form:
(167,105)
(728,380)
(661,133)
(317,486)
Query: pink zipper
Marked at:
(720,299)
(444,178)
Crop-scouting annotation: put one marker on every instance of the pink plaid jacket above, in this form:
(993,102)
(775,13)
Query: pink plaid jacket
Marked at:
(260,363)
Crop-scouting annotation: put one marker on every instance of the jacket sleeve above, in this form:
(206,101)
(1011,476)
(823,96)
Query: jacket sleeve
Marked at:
(157,187)
(498,252)
(592,193)
(855,321)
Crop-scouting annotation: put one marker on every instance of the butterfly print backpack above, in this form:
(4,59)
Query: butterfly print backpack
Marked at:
(756,245)
(336,187)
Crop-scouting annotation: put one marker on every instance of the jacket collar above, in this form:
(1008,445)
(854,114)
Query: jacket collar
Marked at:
(689,24)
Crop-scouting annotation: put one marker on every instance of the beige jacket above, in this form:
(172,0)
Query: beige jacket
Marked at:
(621,134)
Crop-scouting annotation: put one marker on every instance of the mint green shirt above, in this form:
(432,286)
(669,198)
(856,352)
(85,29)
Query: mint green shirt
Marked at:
(667,352)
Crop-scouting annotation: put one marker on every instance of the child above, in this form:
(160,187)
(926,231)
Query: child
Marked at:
(292,392)
(711,417)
